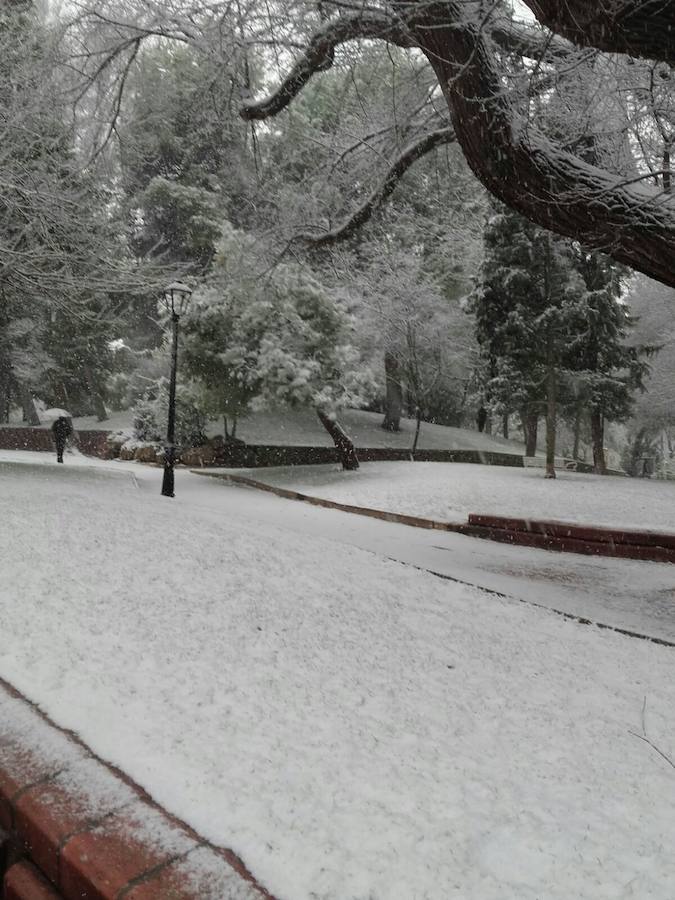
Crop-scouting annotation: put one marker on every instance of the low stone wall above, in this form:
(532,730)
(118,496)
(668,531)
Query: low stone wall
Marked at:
(591,540)
(25,438)
(255,456)
(92,442)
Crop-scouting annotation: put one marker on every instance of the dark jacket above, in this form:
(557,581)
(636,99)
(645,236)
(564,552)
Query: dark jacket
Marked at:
(62,429)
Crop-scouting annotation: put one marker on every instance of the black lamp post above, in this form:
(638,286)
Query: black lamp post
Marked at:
(176,298)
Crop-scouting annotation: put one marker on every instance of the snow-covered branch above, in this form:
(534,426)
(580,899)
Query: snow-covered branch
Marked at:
(397,169)
(319,56)
(633,223)
(637,27)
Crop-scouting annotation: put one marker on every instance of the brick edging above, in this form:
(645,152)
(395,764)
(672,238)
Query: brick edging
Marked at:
(588,540)
(569,537)
(72,826)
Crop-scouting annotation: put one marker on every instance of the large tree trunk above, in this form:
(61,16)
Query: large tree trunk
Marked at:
(505,425)
(342,441)
(530,422)
(636,450)
(598,438)
(393,400)
(61,395)
(550,416)
(667,174)
(516,162)
(635,27)
(27,405)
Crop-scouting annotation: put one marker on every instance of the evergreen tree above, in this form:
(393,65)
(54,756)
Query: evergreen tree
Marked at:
(183,154)
(552,331)
(609,370)
(525,307)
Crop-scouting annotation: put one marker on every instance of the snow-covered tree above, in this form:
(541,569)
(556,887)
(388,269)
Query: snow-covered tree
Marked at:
(56,247)
(256,340)
(525,306)
(608,371)
(182,154)
(553,331)
(466,48)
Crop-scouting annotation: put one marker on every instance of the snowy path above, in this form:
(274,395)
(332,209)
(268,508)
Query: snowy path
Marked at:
(638,596)
(352,728)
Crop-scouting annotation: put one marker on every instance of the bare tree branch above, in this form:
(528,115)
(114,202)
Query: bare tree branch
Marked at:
(397,169)
(319,56)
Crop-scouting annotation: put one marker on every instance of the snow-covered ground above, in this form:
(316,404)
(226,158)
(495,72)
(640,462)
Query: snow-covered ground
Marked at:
(353,728)
(450,491)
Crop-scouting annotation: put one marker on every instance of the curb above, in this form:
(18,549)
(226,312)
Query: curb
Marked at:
(564,537)
(589,540)
(75,828)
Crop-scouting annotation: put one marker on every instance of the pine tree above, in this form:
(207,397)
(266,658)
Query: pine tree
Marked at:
(524,306)
(552,330)
(609,370)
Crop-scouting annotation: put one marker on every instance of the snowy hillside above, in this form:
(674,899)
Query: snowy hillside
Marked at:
(303,427)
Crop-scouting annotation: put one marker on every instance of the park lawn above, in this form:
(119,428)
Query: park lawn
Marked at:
(351,727)
(450,491)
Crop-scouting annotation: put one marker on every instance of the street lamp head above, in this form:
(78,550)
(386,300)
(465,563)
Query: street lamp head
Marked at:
(176,297)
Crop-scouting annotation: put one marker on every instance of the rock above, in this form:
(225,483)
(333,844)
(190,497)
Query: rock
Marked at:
(198,456)
(146,454)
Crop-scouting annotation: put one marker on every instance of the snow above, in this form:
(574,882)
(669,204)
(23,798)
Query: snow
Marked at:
(450,491)
(211,878)
(48,415)
(351,727)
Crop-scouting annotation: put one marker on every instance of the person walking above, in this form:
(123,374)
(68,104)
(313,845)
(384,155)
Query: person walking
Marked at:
(62,430)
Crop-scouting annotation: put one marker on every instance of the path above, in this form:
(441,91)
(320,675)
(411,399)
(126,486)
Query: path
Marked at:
(628,594)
